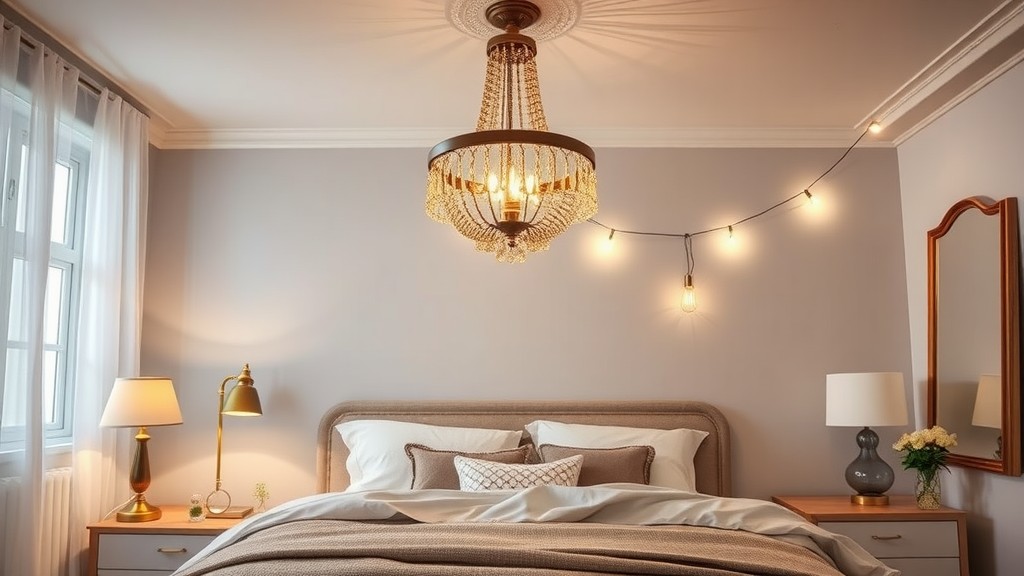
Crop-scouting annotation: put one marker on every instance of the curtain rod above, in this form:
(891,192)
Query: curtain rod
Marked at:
(88,76)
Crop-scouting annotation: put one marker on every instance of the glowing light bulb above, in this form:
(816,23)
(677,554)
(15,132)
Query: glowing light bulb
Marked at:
(811,198)
(514,185)
(732,238)
(874,127)
(607,245)
(492,185)
(688,301)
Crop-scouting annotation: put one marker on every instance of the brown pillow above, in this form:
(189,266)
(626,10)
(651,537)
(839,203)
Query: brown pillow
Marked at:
(436,468)
(606,465)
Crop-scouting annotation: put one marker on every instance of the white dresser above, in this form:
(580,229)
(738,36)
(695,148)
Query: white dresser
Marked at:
(917,542)
(154,548)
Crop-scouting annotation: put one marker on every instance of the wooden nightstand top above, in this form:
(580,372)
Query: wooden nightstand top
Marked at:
(839,508)
(173,521)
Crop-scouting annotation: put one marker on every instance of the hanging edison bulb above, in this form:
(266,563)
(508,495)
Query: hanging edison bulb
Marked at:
(688,300)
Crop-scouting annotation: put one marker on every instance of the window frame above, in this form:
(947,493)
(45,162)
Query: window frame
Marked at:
(68,256)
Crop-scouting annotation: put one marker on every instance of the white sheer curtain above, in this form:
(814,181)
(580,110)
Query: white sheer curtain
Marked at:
(51,97)
(39,85)
(111,311)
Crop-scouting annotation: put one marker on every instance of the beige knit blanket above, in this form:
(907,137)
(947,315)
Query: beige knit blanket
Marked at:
(338,547)
(605,529)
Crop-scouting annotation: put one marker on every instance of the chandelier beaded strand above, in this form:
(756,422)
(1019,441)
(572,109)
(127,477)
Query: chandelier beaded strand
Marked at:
(511,186)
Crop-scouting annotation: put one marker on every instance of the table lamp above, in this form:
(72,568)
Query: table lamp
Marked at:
(243,400)
(140,402)
(988,407)
(867,399)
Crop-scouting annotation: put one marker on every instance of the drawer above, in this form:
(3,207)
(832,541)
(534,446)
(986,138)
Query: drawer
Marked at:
(902,539)
(160,552)
(925,566)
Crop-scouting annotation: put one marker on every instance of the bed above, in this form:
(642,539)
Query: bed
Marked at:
(370,522)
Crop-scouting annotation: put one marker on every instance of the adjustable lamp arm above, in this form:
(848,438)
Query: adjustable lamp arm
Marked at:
(243,401)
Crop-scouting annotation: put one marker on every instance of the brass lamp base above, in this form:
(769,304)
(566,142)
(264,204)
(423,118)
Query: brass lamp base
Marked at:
(139,510)
(866,500)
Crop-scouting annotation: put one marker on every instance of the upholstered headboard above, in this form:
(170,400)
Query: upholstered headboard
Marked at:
(712,461)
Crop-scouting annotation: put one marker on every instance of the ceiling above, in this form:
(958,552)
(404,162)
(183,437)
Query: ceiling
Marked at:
(275,73)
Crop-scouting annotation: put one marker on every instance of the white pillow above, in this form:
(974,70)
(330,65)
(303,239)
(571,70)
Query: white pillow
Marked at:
(478,475)
(377,459)
(673,449)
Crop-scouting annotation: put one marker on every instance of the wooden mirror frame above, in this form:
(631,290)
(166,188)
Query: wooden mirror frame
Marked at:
(1009,262)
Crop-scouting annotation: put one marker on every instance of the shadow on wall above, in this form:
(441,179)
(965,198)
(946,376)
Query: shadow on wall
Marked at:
(973,491)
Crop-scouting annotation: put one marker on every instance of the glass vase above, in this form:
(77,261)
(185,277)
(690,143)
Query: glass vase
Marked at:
(928,491)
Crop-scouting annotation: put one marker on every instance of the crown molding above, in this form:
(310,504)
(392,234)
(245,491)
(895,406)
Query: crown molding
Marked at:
(964,95)
(990,48)
(172,139)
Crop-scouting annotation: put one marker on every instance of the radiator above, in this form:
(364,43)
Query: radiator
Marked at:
(55,520)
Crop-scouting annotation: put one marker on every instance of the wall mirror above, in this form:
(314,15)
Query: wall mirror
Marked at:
(973,333)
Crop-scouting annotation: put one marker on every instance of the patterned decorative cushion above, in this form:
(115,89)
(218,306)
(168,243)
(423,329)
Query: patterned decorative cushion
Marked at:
(436,468)
(478,475)
(606,465)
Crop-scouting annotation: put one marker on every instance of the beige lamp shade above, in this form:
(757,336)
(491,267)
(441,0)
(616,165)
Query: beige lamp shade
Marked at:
(865,399)
(988,404)
(141,401)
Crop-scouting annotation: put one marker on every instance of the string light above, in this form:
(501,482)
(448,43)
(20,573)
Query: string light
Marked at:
(607,245)
(688,299)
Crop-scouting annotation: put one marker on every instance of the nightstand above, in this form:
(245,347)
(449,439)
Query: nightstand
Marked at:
(917,542)
(152,548)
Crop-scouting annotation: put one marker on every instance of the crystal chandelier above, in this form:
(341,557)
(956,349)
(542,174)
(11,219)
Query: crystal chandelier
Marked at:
(511,186)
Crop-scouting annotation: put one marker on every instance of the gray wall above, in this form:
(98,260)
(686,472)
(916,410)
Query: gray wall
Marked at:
(975,149)
(321,269)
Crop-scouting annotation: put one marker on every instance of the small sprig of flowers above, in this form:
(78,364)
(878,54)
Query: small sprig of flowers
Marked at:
(195,507)
(926,450)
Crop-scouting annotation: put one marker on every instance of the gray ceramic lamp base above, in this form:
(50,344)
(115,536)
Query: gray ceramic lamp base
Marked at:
(868,474)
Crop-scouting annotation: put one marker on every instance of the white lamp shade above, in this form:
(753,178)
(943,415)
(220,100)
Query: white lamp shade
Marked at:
(865,399)
(988,404)
(141,401)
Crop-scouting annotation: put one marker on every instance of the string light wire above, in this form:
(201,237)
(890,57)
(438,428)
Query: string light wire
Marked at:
(687,236)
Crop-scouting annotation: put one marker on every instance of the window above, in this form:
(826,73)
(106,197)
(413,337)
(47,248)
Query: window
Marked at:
(62,288)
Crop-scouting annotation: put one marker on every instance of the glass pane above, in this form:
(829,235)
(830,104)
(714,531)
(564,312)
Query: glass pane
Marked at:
(16,329)
(53,312)
(14,392)
(61,180)
(49,385)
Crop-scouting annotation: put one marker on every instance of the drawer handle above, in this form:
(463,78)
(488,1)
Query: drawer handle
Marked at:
(896,537)
(172,550)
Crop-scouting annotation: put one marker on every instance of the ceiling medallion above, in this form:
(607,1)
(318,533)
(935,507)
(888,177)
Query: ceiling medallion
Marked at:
(556,18)
(511,186)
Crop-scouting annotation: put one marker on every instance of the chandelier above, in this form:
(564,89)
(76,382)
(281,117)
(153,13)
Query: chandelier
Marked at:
(511,186)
